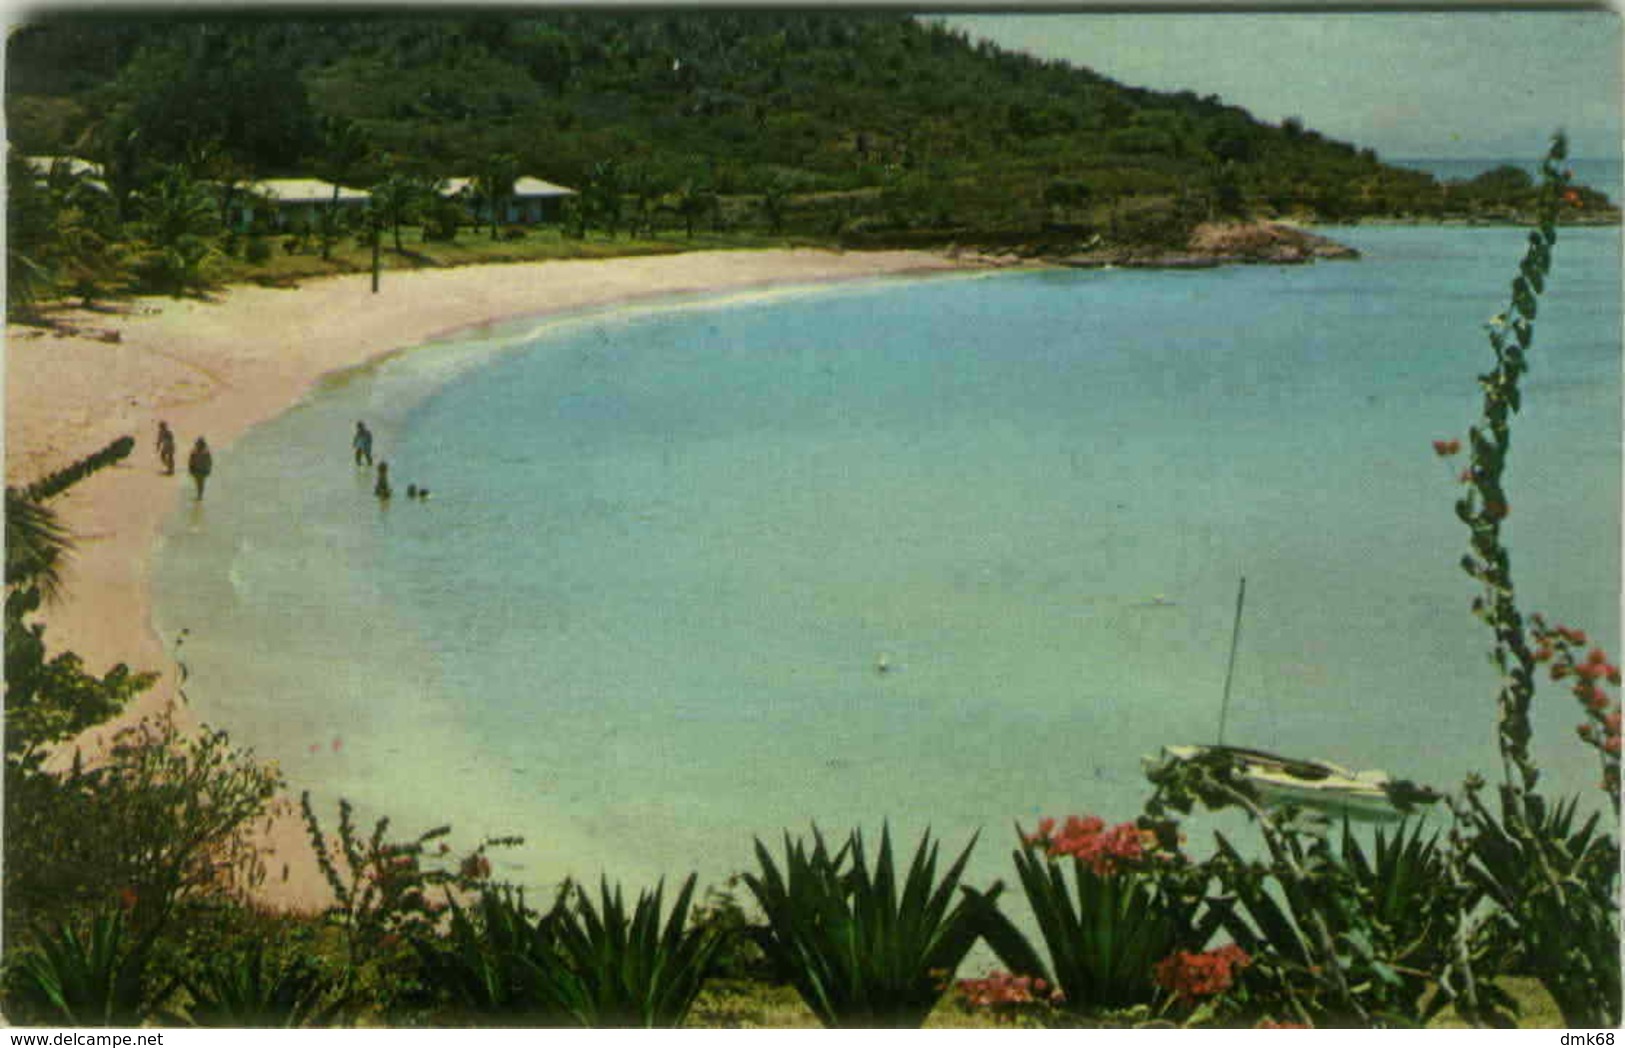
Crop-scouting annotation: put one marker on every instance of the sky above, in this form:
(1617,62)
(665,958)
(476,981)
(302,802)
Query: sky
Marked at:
(1448,84)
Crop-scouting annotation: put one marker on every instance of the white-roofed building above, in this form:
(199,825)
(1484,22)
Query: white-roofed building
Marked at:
(533,200)
(87,171)
(296,201)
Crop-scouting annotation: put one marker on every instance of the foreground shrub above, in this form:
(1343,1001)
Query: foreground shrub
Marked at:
(494,963)
(614,967)
(1129,906)
(580,964)
(860,948)
(260,985)
(1335,937)
(96,975)
(1556,912)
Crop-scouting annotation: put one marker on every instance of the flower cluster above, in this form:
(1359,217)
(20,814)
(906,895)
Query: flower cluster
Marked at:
(1195,975)
(1589,675)
(1089,840)
(1003,992)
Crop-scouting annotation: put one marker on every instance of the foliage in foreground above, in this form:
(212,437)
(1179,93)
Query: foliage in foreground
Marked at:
(862,947)
(1131,905)
(96,975)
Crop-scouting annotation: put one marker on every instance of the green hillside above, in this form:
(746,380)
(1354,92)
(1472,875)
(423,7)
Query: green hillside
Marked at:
(862,117)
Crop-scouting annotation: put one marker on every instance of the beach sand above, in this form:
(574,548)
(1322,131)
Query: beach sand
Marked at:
(216,368)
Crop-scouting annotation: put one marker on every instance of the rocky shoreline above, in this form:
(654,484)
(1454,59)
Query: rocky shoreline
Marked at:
(1214,244)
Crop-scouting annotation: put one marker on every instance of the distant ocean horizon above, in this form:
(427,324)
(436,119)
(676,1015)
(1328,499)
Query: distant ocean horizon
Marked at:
(1602,173)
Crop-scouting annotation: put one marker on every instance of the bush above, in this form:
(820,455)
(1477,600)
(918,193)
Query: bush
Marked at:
(1131,904)
(861,949)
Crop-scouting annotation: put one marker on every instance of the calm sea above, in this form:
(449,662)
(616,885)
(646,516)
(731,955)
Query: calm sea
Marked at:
(953,551)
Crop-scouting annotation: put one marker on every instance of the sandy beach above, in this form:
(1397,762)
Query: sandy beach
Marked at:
(217,368)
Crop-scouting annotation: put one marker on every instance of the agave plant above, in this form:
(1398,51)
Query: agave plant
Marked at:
(1554,884)
(1105,932)
(252,988)
(614,968)
(1402,887)
(861,948)
(495,962)
(98,978)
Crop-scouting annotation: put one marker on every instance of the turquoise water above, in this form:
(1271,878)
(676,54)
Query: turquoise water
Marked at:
(668,550)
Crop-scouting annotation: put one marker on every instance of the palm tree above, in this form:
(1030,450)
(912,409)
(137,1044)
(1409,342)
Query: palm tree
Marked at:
(494,184)
(178,216)
(345,147)
(397,200)
(30,269)
(37,543)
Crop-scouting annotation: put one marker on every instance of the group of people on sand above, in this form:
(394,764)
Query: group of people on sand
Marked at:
(362,445)
(200,463)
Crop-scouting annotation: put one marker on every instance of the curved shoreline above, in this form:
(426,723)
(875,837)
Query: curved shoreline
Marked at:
(220,368)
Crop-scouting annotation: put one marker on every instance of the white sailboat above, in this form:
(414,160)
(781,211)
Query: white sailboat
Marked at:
(1314,783)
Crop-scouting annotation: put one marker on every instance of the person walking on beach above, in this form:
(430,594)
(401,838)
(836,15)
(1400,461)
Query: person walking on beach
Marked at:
(200,465)
(382,488)
(166,448)
(362,444)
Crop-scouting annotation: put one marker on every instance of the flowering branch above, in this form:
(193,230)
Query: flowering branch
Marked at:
(1485,506)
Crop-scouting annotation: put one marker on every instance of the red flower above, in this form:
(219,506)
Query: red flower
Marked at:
(1611,745)
(1088,840)
(1572,196)
(1193,975)
(127,898)
(1000,988)
(1446,448)
(476,868)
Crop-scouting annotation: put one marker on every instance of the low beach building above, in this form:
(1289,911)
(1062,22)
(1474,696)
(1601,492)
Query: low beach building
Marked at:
(86,171)
(292,202)
(533,200)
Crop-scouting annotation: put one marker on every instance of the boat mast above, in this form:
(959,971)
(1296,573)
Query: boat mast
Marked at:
(1230,670)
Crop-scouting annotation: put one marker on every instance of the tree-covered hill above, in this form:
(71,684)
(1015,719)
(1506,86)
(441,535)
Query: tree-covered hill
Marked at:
(852,123)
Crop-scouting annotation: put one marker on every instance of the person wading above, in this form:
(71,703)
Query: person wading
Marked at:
(200,465)
(362,444)
(166,448)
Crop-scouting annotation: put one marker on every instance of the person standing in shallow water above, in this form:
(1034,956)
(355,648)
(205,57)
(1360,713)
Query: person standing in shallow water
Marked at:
(166,448)
(382,488)
(200,465)
(362,444)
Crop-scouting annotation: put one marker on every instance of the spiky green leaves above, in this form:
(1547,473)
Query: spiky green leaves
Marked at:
(863,945)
